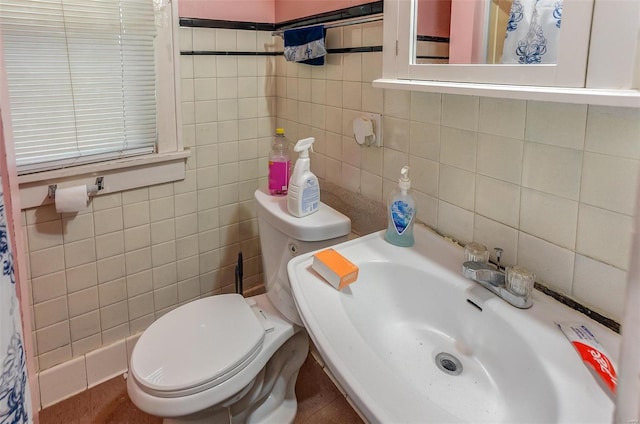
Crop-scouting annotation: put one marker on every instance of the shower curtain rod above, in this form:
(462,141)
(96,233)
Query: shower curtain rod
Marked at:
(376,18)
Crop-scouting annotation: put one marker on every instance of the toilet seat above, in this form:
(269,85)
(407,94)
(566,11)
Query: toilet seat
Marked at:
(225,329)
(277,331)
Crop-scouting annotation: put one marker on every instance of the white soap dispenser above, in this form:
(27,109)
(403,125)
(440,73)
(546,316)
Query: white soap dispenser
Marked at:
(303,197)
(401,212)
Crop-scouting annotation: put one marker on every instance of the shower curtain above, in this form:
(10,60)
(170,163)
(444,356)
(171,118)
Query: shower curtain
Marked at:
(15,400)
(532,32)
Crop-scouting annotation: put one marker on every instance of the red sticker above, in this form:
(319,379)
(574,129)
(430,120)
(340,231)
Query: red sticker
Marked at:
(600,363)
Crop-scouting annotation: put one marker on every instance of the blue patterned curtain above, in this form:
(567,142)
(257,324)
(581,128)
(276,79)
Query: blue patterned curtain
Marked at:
(15,400)
(532,32)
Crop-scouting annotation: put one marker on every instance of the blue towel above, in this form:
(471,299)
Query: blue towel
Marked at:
(305,45)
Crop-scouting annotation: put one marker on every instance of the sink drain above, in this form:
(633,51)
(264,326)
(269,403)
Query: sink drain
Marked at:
(448,363)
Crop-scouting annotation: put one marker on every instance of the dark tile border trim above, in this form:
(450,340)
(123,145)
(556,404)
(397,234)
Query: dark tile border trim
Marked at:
(215,23)
(367,9)
(224,53)
(369,49)
(433,57)
(607,322)
(601,319)
(432,39)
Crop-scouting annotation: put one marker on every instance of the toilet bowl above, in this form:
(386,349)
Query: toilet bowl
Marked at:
(229,359)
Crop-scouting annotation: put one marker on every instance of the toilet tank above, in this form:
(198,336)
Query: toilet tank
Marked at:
(283,236)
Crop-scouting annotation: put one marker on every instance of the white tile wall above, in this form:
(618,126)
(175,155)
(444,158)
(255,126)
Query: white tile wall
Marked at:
(552,264)
(225,40)
(553,170)
(550,183)
(502,117)
(204,39)
(457,186)
(458,148)
(498,200)
(604,235)
(500,157)
(396,133)
(83,301)
(558,124)
(549,217)
(600,284)
(613,131)
(614,173)
(48,287)
(425,174)
(98,277)
(397,104)
(494,233)
(92,367)
(455,221)
(106,363)
(424,140)
(63,381)
(352,36)
(460,112)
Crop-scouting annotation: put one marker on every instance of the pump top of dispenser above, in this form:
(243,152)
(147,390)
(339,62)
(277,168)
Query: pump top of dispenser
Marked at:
(279,131)
(404,183)
(303,146)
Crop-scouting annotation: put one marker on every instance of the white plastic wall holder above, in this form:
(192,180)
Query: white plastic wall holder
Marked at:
(367,129)
(363,130)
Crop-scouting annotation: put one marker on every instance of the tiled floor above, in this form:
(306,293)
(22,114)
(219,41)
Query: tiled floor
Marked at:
(319,401)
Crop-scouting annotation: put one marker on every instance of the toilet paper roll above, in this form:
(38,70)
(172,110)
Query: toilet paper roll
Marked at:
(72,199)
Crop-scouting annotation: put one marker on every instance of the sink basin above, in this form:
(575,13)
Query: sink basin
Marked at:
(413,341)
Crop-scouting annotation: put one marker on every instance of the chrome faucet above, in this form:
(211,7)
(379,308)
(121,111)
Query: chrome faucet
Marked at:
(494,280)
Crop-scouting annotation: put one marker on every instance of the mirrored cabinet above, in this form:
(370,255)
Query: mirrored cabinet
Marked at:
(577,51)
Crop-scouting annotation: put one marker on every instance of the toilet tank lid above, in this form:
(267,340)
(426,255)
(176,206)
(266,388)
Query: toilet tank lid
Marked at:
(325,224)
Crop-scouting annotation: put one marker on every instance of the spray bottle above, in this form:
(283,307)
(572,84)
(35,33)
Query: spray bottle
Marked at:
(303,197)
(402,212)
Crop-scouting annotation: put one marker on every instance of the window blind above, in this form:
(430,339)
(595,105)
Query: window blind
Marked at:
(81,80)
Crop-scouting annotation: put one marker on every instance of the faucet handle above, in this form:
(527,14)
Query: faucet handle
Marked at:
(520,281)
(476,252)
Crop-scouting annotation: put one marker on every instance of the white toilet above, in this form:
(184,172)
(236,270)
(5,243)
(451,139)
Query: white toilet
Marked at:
(228,359)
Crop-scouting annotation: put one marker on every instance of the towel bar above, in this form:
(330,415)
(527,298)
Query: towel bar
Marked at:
(376,18)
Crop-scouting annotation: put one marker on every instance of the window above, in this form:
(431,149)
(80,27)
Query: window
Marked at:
(81,80)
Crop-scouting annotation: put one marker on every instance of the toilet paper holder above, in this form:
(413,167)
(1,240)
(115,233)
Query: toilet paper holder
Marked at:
(99,185)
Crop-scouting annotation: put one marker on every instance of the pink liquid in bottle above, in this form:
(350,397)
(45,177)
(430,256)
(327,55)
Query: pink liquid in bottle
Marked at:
(279,165)
(278,177)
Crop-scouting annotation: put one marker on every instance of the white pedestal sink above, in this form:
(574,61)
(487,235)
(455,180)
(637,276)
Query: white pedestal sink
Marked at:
(412,341)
